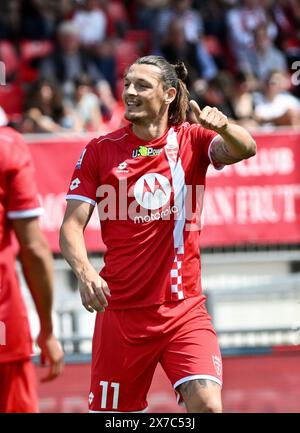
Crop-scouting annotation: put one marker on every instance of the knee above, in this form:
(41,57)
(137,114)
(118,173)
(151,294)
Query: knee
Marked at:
(210,405)
(202,396)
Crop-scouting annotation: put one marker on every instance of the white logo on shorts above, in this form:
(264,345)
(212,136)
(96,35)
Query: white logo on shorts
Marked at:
(91,398)
(218,364)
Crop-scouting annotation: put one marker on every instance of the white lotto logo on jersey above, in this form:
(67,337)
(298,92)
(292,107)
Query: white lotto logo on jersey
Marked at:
(152,191)
(74,184)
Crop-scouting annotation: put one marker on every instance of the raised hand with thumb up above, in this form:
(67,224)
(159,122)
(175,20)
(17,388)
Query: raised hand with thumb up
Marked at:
(210,117)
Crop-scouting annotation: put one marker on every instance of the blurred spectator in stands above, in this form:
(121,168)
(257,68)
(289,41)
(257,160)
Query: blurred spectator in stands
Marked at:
(117,18)
(277,106)
(91,23)
(69,61)
(215,31)
(33,19)
(192,21)
(286,15)
(12,16)
(45,111)
(36,19)
(216,92)
(176,46)
(235,96)
(86,104)
(112,110)
(243,98)
(213,14)
(143,13)
(242,22)
(4,28)
(264,57)
(105,61)
(64,9)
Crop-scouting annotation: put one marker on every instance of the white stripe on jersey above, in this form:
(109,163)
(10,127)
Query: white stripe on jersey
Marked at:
(28,213)
(179,187)
(81,198)
(178,180)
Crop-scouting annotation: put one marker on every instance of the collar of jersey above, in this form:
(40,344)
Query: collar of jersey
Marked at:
(138,141)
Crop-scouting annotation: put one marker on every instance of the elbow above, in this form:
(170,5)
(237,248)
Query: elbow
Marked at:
(67,237)
(62,239)
(35,249)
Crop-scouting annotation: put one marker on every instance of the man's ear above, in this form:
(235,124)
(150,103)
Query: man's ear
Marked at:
(170,95)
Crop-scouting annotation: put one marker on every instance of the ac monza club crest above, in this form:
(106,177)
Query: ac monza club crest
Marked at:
(172,148)
(152,191)
(218,364)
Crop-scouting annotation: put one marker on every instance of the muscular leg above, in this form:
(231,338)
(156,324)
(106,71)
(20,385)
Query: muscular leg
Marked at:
(201,396)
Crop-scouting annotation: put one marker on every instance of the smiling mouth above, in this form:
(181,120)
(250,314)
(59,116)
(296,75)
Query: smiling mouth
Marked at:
(133,104)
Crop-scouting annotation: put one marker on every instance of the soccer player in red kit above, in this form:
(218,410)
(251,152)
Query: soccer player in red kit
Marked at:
(19,212)
(144,179)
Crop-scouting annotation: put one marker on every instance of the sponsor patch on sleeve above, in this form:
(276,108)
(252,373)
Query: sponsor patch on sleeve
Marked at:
(79,162)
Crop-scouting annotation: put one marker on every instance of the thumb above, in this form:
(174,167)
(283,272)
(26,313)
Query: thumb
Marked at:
(195,107)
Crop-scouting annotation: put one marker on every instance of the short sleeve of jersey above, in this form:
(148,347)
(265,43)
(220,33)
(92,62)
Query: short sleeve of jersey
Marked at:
(86,177)
(204,138)
(22,194)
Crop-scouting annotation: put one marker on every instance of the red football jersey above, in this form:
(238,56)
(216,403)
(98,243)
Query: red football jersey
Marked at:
(149,200)
(18,199)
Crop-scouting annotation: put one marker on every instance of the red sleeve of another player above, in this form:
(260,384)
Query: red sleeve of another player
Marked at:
(203,139)
(85,179)
(22,196)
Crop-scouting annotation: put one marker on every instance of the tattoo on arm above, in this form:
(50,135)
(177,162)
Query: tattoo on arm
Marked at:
(220,153)
(188,388)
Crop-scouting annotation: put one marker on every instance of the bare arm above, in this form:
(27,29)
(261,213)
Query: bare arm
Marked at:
(36,260)
(92,287)
(234,142)
(45,123)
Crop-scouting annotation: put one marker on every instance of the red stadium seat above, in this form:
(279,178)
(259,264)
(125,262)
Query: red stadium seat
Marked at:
(142,40)
(35,49)
(117,11)
(116,14)
(27,73)
(31,50)
(212,45)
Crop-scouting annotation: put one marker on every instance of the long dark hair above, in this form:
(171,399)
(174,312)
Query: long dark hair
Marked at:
(34,99)
(172,76)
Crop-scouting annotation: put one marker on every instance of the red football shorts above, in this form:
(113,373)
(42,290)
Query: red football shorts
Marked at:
(128,345)
(18,390)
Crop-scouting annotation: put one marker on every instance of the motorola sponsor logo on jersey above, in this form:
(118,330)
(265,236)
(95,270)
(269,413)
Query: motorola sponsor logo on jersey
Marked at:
(151,195)
(152,191)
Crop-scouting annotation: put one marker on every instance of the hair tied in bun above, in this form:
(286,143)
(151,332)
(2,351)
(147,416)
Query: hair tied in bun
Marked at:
(181,70)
